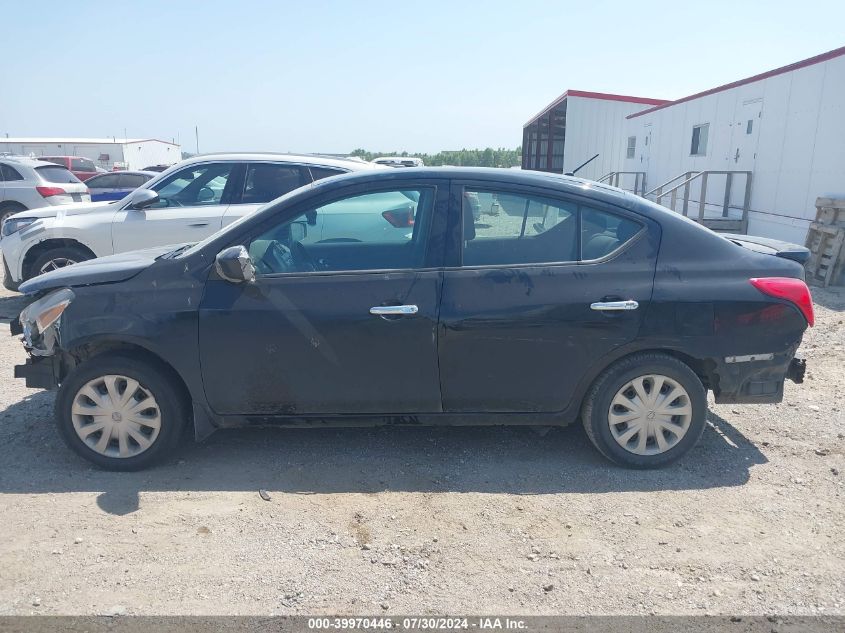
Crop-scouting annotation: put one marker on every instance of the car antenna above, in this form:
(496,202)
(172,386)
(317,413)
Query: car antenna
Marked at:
(582,165)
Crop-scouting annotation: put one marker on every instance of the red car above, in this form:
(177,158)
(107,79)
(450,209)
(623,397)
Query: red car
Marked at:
(82,168)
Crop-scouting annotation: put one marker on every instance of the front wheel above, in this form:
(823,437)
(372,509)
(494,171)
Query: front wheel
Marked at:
(120,413)
(645,411)
(56,258)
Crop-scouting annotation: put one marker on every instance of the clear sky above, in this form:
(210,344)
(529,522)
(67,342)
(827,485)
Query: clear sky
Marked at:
(330,76)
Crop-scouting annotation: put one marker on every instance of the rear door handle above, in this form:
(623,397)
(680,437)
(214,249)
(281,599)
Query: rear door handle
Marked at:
(197,225)
(614,306)
(393,310)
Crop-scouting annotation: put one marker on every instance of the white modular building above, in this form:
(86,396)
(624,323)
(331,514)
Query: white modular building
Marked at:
(751,156)
(107,153)
(575,127)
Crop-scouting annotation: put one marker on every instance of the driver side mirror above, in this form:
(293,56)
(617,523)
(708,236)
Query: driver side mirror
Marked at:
(233,264)
(142,198)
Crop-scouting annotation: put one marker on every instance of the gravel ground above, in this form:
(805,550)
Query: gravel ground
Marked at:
(454,520)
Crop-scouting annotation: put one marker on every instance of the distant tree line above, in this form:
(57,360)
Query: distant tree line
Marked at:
(488,157)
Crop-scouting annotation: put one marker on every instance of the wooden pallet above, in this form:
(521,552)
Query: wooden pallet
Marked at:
(827,255)
(830,211)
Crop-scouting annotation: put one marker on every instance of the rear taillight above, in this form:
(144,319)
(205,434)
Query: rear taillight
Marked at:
(50,191)
(793,290)
(400,218)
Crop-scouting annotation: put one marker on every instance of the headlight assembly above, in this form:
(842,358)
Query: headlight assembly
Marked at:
(38,318)
(13,225)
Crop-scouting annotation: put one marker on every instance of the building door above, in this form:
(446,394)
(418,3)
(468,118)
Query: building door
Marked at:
(745,133)
(645,154)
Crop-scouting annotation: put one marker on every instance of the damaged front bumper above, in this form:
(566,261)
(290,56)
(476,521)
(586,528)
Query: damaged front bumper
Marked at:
(39,372)
(42,369)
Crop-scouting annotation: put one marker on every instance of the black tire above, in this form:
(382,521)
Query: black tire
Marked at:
(596,408)
(156,379)
(72,253)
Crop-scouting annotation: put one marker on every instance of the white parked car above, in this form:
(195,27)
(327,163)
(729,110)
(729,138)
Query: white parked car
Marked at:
(399,161)
(185,203)
(27,183)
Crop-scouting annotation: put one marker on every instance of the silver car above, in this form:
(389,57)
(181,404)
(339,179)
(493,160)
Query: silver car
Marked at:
(27,183)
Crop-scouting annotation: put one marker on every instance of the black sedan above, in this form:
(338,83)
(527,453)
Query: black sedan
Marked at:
(420,296)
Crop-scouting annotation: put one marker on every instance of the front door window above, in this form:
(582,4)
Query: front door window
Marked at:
(373,231)
(198,185)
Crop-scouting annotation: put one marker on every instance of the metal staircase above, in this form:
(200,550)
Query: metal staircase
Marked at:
(726,215)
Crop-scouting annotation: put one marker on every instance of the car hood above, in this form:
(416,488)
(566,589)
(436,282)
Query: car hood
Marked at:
(65,209)
(102,270)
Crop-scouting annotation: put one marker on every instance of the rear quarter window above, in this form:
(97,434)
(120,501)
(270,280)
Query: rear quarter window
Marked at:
(56,174)
(603,233)
(318,173)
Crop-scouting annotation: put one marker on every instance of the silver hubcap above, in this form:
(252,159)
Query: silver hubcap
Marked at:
(116,416)
(650,414)
(58,262)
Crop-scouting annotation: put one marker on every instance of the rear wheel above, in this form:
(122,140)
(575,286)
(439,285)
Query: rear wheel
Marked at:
(56,258)
(120,413)
(645,411)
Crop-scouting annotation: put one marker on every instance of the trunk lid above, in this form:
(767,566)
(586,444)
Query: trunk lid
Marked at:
(769,246)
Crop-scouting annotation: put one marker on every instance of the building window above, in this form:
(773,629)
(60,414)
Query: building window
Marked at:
(749,126)
(632,147)
(699,140)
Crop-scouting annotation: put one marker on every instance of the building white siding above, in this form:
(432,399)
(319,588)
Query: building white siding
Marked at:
(128,153)
(596,126)
(145,153)
(795,146)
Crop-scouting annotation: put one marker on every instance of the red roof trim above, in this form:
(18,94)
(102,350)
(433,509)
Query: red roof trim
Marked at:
(741,82)
(612,97)
(595,95)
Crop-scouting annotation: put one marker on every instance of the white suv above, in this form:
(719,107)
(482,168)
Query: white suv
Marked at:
(186,203)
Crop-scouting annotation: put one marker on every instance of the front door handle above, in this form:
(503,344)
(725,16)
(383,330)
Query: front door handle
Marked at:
(614,306)
(394,310)
(197,225)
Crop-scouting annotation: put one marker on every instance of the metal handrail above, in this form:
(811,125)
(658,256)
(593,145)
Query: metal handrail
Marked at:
(689,176)
(612,178)
(660,187)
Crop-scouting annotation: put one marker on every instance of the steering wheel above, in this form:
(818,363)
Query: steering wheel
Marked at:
(301,258)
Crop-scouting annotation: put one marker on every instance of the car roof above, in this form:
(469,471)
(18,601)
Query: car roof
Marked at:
(309,159)
(570,184)
(133,172)
(26,161)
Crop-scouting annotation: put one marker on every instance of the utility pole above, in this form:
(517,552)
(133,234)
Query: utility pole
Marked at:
(197,133)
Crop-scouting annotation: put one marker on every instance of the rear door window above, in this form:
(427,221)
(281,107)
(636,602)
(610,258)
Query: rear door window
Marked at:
(106,181)
(56,174)
(268,181)
(501,228)
(132,181)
